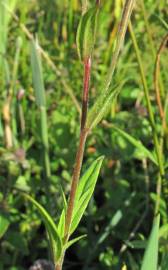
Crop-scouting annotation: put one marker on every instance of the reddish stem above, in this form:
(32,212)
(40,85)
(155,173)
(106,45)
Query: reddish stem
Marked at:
(81,147)
(75,180)
(156,80)
(98,2)
(87,69)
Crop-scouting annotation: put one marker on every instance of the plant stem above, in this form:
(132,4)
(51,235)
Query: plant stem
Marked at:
(151,42)
(156,80)
(75,179)
(87,69)
(126,14)
(81,147)
(158,192)
(150,111)
(84,6)
(7,123)
(58,267)
(148,28)
(79,155)
(84,131)
(147,97)
(45,150)
(98,2)
(7,109)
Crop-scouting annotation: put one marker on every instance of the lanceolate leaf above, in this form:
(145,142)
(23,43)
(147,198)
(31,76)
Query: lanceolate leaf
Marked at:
(84,192)
(73,241)
(4,224)
(61,224)
(80,209)
(55,239)
(85,37)
(101,107)
(150,259)
(64,199)
(138,144)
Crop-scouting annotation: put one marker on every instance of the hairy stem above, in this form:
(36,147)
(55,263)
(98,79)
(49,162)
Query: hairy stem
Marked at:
(75,180)
(127,10)
(98,2)
(79,154)
(84,131)
(87,69)
(81,147)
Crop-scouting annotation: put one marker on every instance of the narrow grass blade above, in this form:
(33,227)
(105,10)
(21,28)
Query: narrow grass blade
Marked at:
(38,84)
(150,259)
(163,22)
(125,18)
(37,75)
(4,27)
(137,143)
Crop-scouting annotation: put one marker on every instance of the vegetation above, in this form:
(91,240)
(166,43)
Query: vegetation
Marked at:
(83,134)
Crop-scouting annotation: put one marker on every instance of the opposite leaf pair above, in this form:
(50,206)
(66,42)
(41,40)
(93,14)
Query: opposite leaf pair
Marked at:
(83,195)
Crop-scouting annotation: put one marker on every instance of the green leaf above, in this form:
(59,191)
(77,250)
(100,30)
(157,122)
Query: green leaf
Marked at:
(4,224)
(138,144)
(61,224)
(37,75)
(163,22)
(101,107)
(84,192)
(64,199)
(21,184)
(150,259)
(86,31)
(55,239)
(38,84)
(73,241)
